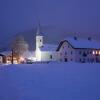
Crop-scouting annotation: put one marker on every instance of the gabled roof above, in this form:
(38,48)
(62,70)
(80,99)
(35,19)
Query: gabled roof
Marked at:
(6,53)
(49,47)
(84,43)
(81,43)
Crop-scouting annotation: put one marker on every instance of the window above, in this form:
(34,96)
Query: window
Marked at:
(71,59)
(87,52)
(93,52)
(68,46)
(71,52)
(90,52)
(84,54)
(80,52)
(80,60)
(50,56)
(40,40)
(65,53)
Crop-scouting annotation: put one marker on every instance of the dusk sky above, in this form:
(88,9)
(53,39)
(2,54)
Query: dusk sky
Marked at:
(74,15)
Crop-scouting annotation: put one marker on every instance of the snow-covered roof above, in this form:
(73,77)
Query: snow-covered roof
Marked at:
(6,53)
(83,43)
(49,47)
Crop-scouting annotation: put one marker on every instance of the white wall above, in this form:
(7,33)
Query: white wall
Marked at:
(66,51)
(89,58)
(46,56)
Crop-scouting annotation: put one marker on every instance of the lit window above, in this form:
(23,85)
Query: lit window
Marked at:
(96,52)
(99,52)
(93,52)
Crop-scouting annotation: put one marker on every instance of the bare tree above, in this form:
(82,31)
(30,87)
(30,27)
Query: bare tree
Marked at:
(19,46)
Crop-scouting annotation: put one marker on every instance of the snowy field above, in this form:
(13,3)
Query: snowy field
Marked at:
(56,81)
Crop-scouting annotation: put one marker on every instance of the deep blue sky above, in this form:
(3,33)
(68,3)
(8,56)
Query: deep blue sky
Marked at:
(76,15)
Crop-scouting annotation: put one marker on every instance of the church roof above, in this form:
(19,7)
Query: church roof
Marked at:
(49,47)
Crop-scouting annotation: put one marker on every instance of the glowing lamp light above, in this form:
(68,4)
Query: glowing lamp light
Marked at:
(22,59)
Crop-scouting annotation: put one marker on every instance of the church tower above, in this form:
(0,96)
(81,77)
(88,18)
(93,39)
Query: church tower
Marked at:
(39,38)
(39,43)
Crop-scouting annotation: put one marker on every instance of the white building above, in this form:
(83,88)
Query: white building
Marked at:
(44,52)
(70,49)
(79,50)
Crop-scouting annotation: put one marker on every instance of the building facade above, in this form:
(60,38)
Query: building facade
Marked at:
(79,50)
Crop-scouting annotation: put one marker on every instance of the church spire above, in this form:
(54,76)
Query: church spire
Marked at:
(39,29)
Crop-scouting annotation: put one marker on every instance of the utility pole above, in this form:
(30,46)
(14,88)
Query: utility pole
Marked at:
(12,57)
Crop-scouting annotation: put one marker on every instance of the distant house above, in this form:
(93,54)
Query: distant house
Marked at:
(1,58)
(5,57)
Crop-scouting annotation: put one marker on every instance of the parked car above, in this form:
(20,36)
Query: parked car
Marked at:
(29,61)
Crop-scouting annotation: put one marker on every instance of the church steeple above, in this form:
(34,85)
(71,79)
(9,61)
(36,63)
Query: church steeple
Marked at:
(39,31)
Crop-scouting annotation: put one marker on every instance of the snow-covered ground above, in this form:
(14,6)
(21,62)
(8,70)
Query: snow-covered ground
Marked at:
(53,81)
